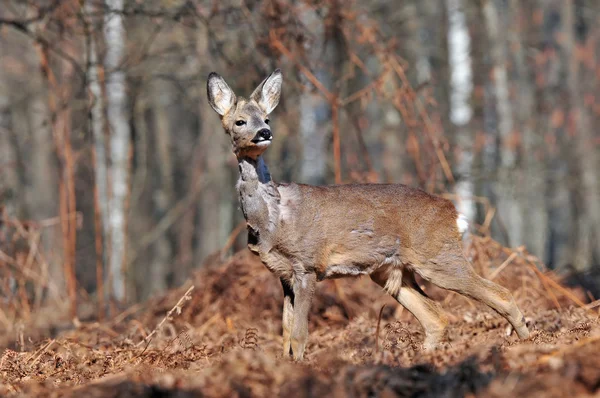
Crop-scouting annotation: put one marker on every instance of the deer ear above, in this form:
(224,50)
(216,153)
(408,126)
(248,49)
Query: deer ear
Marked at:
(220,96)
(268,92)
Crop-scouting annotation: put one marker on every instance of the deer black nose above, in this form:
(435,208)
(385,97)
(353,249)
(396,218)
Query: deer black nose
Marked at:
(263,135)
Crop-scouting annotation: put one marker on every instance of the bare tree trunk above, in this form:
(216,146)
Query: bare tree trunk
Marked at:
(162,251)
(114,34)
(315,112)
(503,108)
(98,127)
(552,109)
(419,48)
(509,210)
(585,154)
(5,149)
(436,41)
(483,147)
(396,158)
(535,212)
(43,186)
(216,197)
(8,183)
(314,152)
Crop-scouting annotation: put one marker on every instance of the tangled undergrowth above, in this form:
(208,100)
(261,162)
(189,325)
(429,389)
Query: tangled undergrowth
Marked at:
(219,336)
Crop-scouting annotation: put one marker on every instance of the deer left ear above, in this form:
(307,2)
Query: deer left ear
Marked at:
(267,94)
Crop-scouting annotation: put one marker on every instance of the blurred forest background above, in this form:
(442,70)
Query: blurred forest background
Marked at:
(116,177)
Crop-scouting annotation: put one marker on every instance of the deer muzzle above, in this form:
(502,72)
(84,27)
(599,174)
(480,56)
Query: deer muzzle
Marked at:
(263,136)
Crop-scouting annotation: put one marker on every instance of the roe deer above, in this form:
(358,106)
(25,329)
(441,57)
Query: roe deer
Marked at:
(305,233)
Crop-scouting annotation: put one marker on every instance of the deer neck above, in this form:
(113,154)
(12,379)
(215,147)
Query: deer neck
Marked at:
(259,198)
(254,171)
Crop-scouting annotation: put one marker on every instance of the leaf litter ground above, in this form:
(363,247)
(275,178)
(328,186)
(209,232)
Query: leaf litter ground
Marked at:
(219,335)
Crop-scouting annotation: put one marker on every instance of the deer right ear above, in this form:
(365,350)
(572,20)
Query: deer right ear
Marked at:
(220,96)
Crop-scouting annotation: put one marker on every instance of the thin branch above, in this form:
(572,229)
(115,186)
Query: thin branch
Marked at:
(177,308)
(21,24)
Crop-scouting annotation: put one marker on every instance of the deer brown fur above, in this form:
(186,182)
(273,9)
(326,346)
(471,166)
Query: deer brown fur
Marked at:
(306,233)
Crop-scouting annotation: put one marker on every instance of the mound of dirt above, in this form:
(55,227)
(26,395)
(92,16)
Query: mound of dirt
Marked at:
(219,336)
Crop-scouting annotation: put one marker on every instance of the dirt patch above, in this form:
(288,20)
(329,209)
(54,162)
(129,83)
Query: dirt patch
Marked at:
(223,339)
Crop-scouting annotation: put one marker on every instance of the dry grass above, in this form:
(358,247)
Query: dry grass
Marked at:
(223,339)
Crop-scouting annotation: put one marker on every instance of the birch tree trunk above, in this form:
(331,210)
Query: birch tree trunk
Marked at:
(114,35)
(461,112)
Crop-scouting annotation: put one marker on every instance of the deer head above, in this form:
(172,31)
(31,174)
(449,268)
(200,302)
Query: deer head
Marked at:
(246,121)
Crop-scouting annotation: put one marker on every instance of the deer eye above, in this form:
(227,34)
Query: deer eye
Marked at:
(240,122)
(267,120)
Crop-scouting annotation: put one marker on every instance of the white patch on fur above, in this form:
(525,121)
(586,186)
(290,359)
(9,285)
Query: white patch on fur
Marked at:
(289,200)
(462,223)
(393,284)
(335,271)
(391,261)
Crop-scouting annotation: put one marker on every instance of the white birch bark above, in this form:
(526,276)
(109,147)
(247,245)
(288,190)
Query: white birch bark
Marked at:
(114,35)
(461,112)
(461,73)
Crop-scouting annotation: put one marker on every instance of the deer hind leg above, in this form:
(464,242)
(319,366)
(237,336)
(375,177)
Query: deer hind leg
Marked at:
(288,316)
(429,313)
(452,271)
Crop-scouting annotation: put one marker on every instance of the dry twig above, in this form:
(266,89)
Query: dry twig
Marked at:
(503,265)
(177,308)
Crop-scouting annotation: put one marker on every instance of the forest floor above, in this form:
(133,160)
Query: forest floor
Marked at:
(222,339)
